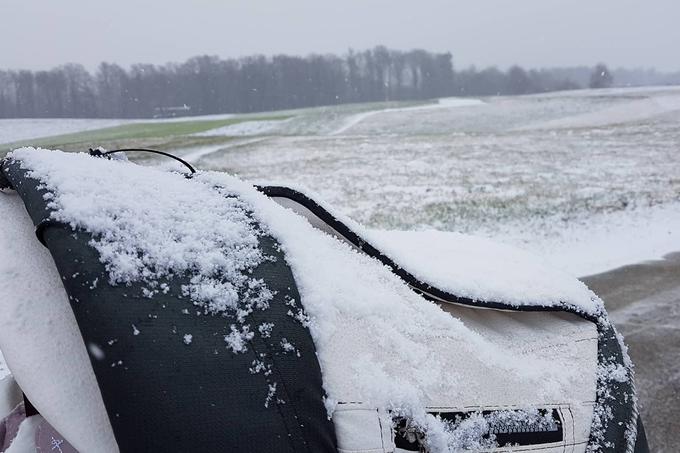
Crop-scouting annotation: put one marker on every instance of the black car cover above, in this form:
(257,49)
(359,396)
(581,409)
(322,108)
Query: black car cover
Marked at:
(163,395)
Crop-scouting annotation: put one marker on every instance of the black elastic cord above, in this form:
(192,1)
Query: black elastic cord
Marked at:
(42,226)
(94,152)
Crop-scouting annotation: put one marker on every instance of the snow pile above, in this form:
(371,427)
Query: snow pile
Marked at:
(189,229)
(481,269)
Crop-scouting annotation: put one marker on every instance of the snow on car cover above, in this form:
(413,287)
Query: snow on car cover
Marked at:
(326,346)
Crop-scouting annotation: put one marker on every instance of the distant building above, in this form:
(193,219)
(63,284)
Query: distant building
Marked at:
(171,112)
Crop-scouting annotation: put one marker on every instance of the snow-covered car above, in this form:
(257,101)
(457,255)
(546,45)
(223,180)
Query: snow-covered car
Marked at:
(162,311)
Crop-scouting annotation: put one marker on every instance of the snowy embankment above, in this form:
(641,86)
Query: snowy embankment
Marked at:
(257,127)
(443,103)
(602,243)
(635,110)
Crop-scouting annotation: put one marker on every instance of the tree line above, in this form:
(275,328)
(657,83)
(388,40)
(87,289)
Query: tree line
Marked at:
(208,85)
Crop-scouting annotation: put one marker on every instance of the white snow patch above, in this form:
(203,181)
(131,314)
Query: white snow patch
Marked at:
(625,112)
(265,329)
(606,241)
(481,269)
(270,394)
(475,432)
(287,346)
(237,339)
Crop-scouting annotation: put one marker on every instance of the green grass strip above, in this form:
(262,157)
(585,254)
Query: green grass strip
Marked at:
(137,131)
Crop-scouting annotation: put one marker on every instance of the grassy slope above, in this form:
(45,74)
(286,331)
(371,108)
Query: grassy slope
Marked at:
(172,135)
(158,134)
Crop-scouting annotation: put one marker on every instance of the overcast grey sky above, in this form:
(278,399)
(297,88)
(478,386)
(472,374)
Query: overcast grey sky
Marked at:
(41,34)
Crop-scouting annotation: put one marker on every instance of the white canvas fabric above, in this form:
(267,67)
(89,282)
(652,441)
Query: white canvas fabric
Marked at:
(40,339)
(554,341)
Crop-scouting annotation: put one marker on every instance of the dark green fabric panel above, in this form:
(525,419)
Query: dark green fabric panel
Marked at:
(164,395)
(619,397)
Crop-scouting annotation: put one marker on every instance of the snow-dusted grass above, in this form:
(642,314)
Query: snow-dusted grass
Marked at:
(576,195)
(255,127)
(140,131)
(627,111)
(445,103)
(603,241)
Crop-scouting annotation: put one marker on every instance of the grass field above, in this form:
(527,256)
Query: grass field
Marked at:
(520,168)
(159,134)
(178,134)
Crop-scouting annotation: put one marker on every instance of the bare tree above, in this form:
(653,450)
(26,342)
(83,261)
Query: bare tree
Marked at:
(207,84)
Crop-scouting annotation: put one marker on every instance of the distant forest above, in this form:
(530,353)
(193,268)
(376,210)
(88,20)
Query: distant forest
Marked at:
(209,85)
